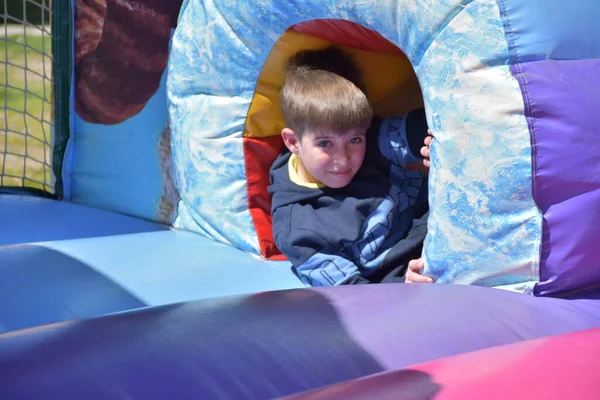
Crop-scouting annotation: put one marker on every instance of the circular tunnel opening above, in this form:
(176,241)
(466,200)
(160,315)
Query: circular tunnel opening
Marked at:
(391,84)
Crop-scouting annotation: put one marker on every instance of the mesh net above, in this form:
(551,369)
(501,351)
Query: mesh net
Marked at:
(26,95)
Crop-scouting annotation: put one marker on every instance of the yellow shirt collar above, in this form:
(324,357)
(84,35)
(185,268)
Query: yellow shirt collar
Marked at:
(293,171)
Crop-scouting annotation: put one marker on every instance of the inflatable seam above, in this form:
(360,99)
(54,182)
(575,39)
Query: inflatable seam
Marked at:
(514,60)
(509,32)
(519,76)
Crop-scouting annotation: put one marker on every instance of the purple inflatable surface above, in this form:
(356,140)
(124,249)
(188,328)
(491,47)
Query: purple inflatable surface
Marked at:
(535,369)
(275,343)
(562,106)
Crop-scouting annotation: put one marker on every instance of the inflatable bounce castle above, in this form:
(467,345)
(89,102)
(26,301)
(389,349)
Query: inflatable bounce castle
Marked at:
(148,268)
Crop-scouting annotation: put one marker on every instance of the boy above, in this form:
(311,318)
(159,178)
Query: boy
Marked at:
(343,200)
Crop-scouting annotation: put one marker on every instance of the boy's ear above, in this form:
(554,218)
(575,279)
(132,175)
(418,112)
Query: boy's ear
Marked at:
(290,139)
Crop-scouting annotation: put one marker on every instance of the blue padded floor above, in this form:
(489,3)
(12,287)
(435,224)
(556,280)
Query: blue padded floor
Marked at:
(26,219)
(57,280)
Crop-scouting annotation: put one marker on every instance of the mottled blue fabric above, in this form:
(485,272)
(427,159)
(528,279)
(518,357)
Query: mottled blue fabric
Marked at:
(218,51)
(484,228)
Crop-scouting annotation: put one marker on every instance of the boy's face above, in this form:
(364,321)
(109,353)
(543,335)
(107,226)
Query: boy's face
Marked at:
(328,158)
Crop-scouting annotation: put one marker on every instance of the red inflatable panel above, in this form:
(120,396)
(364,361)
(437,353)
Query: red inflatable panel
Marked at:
(259,202)
(347,33)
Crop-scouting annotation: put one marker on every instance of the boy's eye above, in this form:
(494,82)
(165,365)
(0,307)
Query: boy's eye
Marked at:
(356,140)
(324,143)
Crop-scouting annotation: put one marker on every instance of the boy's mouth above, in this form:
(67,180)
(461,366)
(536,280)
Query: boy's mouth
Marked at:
(341,173)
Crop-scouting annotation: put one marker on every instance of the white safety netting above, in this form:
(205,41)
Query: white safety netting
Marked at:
(26,95)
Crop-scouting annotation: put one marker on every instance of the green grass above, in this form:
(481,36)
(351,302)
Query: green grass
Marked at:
(26,115)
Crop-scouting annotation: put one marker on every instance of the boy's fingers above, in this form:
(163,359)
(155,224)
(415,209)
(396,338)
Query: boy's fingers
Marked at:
(428,140)
(416,278)
(425,151)
(416,265)
(413,275)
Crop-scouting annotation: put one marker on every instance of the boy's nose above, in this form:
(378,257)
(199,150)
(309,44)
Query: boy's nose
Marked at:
(342,158)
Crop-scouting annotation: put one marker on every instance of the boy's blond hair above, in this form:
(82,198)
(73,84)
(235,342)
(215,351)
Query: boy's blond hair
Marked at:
(323,92)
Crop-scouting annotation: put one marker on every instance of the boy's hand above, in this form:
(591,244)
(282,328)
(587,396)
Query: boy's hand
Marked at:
(413,274)
(425,149)
(424,166)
